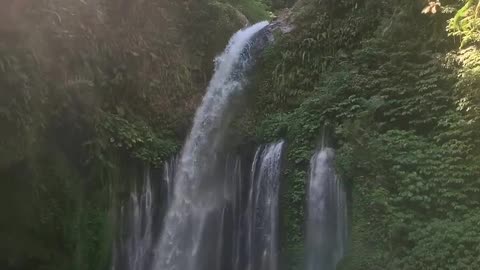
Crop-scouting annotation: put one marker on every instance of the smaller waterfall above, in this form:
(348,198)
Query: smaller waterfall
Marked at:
(327,232)
(139,218)
(262,211)
(132,248)
(168,177)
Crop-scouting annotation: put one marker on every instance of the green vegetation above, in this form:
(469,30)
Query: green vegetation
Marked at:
(401,99)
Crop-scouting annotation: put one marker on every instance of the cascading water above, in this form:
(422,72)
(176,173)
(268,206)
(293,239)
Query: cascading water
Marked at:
(262,211)
(327,232)
(168,177)
(133,252)
(254,218)
(190,237)
(139,219)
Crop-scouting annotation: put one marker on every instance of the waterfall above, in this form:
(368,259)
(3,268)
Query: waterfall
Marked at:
(246,225)
(191,227)
(139,217)
(168,177)
(133,252)
(254,212)
(326,235)
(217,211)
(262,211)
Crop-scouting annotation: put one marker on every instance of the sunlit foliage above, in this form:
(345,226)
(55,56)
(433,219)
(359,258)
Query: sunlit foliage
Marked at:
(400,99)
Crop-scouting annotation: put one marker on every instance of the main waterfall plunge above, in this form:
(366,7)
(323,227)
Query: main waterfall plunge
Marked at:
(216,211)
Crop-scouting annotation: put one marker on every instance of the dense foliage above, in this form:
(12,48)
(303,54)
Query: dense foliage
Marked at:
(401,99)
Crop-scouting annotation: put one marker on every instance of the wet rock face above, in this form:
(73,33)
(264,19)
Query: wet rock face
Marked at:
(261,40)
(264,38)
(252,52)
(284,22)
